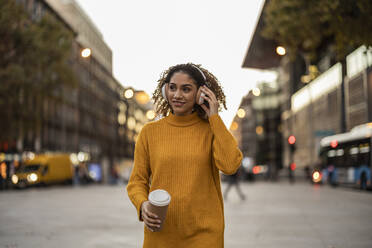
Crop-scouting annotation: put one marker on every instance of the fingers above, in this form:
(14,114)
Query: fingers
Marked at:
(151,220)
(145,211)
(205,109)
(151,215)
(209,92)
(201,99)
(206,97)
(210,97)
(209,100)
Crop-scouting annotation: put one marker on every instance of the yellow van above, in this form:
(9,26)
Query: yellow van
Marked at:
(44,169)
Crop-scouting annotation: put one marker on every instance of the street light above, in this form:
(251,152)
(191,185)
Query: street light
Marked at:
(142,97)
(122,118)
(86,52)
(280,50)
(241,113)
(256,91)
(259,130)
(131,123)
(234,126)
(129,93)
(150,114)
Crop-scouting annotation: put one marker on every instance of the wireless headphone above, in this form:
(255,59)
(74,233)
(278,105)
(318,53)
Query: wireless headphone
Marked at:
(163,92)
(199,95)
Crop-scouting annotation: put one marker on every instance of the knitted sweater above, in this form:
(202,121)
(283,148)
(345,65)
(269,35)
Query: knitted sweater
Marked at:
(183,155)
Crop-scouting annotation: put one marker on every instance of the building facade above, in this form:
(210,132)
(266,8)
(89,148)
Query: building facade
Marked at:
(316,100)
(257,127)
(95,117)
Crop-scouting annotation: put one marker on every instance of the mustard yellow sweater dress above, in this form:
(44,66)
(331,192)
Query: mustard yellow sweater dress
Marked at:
(183,155)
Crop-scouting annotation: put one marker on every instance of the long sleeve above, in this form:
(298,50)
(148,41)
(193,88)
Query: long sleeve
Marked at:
(226,154)
(138,185)
(183,155)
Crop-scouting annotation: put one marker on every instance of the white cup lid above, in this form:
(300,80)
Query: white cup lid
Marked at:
(159,197)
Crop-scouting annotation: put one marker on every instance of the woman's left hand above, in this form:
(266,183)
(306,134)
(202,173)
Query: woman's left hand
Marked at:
(210,97)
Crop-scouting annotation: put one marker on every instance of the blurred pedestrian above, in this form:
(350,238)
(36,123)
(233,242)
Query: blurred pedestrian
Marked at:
(307,173)
(76,175)
(291,173)
(233,180)
(114,174)
(2,175)
(182,153)
(83,174)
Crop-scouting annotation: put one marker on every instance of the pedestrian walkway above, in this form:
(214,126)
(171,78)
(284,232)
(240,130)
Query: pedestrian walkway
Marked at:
(299,216)
(273,215)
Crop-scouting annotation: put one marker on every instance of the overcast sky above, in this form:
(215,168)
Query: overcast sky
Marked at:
(147,37)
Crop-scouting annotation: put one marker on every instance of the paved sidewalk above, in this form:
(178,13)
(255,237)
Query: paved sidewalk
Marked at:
(299,215)
(273,215)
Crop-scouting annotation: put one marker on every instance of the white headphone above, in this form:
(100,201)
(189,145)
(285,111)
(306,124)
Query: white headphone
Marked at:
(163,92)
(202,94)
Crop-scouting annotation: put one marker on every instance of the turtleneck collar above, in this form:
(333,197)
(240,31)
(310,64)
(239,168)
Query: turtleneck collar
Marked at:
(184,120)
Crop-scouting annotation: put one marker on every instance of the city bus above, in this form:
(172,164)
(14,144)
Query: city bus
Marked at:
(346,157)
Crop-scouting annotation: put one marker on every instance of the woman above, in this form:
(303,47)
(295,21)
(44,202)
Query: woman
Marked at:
(182,153)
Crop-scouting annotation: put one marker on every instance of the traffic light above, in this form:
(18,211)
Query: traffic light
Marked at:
(292,143)
(291,140)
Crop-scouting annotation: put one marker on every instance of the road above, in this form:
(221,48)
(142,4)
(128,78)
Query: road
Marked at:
(273,215)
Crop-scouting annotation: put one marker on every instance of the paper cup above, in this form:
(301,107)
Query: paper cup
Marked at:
(159,201)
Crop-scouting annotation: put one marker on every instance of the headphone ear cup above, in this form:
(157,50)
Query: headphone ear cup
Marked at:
(163,89)
(199,98)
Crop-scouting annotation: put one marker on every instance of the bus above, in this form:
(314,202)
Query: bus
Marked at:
(346,157)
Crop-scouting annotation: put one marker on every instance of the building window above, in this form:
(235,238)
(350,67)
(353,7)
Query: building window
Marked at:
(21,2)
(35,10)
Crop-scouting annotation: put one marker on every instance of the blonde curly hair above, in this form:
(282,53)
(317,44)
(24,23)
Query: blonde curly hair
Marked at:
(162,107)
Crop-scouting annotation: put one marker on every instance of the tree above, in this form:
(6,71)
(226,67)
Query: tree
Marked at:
(33,67)
(303,26)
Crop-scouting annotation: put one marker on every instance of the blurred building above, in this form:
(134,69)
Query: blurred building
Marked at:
(96,117)
(88,34)
(93,109)
(316,100)
(257,127)
(137,111)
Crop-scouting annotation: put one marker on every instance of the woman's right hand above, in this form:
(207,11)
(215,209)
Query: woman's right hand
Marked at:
(150,219)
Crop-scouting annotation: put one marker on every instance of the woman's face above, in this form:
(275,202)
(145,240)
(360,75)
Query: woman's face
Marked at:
(182,93)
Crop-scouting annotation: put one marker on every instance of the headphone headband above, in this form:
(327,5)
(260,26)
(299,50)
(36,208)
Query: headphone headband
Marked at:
(204,77)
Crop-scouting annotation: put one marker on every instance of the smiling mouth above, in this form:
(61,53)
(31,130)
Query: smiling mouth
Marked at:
(178,103)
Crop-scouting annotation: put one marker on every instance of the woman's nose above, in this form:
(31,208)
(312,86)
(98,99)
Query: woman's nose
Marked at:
(177,94)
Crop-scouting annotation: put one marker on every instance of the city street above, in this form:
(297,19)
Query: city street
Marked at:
(273,215)
(92,92)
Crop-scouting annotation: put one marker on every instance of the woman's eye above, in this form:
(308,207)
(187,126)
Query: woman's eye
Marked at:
(186,89)
(172,87)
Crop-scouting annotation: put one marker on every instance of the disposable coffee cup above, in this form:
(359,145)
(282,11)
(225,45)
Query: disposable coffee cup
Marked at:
(159,201)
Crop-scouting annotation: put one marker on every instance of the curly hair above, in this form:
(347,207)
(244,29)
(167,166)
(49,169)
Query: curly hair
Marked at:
(162,107)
